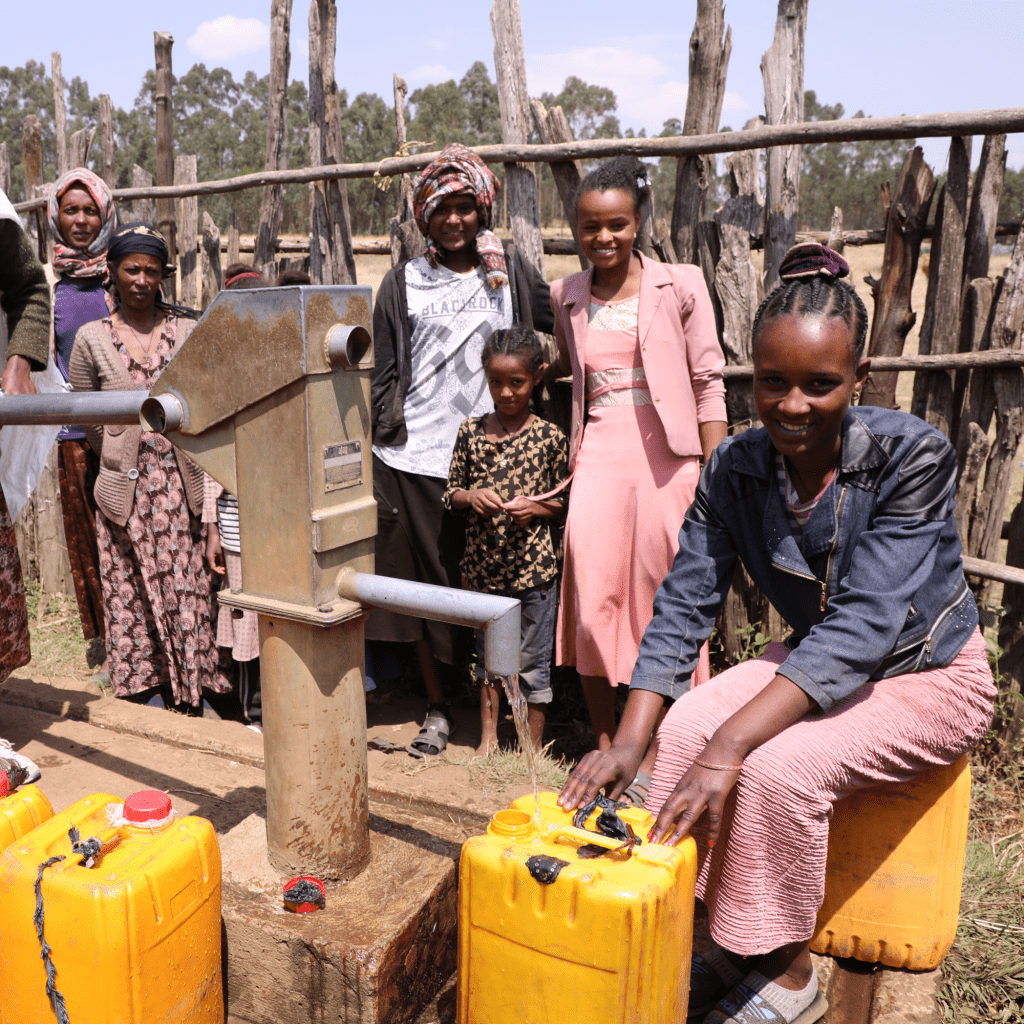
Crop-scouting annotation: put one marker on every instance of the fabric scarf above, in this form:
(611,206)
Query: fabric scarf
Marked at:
(91,261)
(139,237)
(459,169)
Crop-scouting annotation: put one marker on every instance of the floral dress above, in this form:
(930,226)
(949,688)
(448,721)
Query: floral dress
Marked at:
(14,641)
(156,587)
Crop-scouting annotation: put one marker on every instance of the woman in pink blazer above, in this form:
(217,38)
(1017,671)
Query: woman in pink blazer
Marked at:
(648,401)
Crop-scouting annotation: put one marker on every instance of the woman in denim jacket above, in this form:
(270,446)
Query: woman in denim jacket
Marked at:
(844,517)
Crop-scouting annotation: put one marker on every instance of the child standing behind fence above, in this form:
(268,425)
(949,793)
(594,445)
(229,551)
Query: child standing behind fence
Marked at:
(502,462)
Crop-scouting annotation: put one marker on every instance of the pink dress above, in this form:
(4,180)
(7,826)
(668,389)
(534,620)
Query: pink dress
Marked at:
(629,495)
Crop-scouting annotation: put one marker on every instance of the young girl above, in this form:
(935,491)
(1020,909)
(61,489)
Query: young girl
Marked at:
(502,463)
(844,517)
(640,340)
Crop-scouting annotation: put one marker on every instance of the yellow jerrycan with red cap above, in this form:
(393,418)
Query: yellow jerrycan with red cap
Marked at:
(560,924)
(128,908)
(20,811)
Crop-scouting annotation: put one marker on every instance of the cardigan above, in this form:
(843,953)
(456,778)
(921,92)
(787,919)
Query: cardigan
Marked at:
(392,356)
(97,366)
(679,349)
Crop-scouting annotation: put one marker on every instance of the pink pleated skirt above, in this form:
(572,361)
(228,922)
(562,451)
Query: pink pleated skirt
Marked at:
(765,879)
(629,496)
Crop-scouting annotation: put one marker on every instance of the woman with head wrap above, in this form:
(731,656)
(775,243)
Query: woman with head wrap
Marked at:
(431,319)
(156,589)
(82,219)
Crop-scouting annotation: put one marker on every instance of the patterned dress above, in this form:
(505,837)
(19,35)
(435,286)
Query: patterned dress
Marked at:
(156,588)
(14,643)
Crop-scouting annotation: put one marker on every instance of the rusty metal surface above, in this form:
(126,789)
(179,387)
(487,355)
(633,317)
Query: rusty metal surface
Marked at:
(314,734)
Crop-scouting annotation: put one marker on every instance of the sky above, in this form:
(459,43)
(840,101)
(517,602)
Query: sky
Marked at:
(880,56)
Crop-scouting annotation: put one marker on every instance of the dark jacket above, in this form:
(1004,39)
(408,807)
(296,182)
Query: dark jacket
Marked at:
(24,297)
(875,588)
(392,370)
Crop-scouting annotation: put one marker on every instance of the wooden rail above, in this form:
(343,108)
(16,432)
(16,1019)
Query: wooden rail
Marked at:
(853,129)
(949,361)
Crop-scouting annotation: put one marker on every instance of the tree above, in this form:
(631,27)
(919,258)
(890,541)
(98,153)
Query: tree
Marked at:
(846,174)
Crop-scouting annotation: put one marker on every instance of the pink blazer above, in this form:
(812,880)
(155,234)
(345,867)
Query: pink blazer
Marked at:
(679,348)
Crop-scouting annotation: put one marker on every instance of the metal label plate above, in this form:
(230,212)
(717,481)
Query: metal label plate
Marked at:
(343,465)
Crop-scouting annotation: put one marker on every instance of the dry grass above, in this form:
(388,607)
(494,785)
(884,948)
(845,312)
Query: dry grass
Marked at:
(56,632)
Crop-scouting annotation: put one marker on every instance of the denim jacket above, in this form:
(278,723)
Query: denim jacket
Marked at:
(874,587)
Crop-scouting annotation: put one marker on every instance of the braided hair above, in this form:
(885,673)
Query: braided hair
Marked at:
(626,173)
(811,286)
(518,341)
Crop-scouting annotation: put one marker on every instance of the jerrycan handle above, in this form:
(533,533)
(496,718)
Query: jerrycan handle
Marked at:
(597,838)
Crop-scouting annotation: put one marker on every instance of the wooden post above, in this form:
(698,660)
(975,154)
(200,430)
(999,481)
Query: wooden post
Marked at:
(59,111)
(233,254)
(737,284)
(108,174)
(782,69)
(1011,637)
(973,393)
(142,209)
(1008,388)
(277,150)
(985,196)
(514,102)
(405,182)
(905,219)
(188,219)
(331,258)
(32,159)
(835,233)
(940,326)
(553,126)
(211,270)
(406,240)
(80,146)
(5,171)
(162,43)
(709,62)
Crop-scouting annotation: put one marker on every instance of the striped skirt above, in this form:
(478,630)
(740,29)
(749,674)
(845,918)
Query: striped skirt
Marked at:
(765,879)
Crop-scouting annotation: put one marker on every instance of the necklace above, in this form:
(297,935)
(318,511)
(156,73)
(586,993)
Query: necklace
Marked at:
(501,447)
(509,434)
(147,350)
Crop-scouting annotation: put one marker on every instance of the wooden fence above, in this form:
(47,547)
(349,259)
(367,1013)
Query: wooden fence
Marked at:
(968,377)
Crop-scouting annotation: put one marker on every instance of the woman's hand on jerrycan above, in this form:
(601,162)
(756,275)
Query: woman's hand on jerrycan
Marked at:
(611,770)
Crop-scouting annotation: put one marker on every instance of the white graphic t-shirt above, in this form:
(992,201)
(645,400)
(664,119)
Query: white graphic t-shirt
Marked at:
(452,315)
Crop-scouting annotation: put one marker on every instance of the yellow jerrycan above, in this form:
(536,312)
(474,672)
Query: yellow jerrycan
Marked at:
(559,925)
(894,872)
(20,812)
(131,920)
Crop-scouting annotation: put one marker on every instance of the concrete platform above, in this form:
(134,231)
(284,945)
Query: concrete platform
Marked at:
(378,953)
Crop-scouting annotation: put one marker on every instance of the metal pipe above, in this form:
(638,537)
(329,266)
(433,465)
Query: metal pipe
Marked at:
(102,408)
(497,616)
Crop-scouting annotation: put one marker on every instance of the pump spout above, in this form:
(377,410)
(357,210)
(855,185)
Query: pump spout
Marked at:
(497,616)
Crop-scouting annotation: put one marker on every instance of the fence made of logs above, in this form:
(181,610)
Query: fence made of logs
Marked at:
(969,381)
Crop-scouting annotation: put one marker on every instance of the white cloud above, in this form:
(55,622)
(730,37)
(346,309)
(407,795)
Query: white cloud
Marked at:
(227,37)
(430,74)
(647,93)
(734,101)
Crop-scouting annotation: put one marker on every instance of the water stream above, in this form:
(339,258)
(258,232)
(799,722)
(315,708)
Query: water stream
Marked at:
(520,715)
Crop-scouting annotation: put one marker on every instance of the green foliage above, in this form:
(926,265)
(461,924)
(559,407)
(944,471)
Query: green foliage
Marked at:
(846,174)
(752,642)
(1011,204)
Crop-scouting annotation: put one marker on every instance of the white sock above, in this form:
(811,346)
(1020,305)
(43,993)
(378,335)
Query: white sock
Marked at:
(789,1003)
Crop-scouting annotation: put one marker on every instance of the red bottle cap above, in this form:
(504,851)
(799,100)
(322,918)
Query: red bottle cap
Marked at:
(5,785)
(147,805)
(308,907)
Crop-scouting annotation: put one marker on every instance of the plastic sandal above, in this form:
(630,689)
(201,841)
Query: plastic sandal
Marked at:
(636,792)
(712,977)
(433,737)
(747,1004)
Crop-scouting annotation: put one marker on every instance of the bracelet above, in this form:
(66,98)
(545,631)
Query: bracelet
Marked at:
(718,767)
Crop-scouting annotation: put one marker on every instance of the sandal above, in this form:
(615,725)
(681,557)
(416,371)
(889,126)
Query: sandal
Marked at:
(712,976)
(433,737)
(750,1002)
(636,792)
